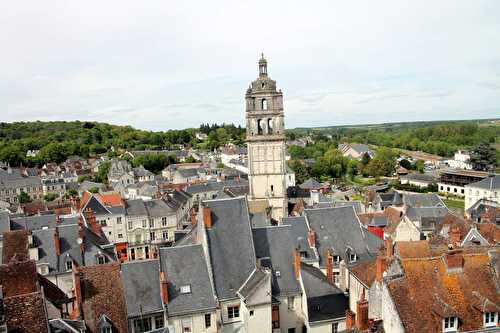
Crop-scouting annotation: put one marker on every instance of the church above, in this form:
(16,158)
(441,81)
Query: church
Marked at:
(265,135)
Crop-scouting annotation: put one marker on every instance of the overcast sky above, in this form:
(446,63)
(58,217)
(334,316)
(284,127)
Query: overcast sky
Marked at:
(175,64)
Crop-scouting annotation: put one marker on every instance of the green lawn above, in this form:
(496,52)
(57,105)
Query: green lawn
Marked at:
(451,203)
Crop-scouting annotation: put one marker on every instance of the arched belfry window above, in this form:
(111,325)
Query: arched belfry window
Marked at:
(264,104)
(270,126)
(260,129)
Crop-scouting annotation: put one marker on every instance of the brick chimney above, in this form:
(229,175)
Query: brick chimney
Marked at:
(164,287)
(379,268)
(193,216)
(349,319)
(81,236)
(77,292)
(207,217)
(312,238)
(362,313)
(389,250)
(455,235)
(296,263)
(454,261)
(329,265)
(57,242)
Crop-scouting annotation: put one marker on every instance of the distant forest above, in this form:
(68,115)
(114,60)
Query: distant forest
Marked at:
(60,139)
(440,138)
(57,140)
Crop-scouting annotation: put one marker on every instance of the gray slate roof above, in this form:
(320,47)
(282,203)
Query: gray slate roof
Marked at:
(37,222)
(141,283)
(340,230)
(489,183)
(158,208)
(422,200)
(276,246)
(231,247)
(299,232)
(186,265)
(310,184)
(135,207)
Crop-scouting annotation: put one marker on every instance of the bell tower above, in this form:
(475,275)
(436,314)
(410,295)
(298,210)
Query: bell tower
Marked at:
(265,134)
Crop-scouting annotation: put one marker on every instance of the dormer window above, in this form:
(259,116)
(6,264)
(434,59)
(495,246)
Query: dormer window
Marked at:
(69,265)
(490,319)
(353,257)
(450,324)
(336,259)
(186,289)
(264,104)
(100,259)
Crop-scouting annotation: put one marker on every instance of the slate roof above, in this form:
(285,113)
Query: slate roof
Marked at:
(427,215)
(489,183)
(299,232)
(141,283)
(186,265)
(340,230)
(4,221)
(135,207)
(158,208)
(188,173)
(422,200)
(354,204)
(275,247)
(310,184)
(254,281)
(205,187)
(230,234)
(324,300)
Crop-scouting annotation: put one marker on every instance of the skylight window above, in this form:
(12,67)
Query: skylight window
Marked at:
(186,289)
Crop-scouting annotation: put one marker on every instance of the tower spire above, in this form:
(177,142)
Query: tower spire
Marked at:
(262,65)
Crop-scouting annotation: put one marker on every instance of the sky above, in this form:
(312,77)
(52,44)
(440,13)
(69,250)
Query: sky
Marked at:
(168,64)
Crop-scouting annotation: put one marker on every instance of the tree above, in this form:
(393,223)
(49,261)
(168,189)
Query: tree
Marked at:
(94,189)
(24,197)
(71,193)
(102,173)
(49,197)
(483,156)
(406,164)
(365,159)
(12,154)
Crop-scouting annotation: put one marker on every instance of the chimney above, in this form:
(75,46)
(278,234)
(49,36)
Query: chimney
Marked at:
(312,238)
(207,217)
(193,216)
(296,263)
(329,266)
(454,261)
(455,235)
(58,219)
(77,291)
(164,287)
(57,242)
(389,250)
(81,238)
(380,268)
(362,313)
(349,319)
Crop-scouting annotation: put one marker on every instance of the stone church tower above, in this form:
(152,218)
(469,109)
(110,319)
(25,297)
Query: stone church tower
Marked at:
(266,143)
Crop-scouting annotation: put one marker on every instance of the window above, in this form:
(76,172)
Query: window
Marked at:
(101,260)
(152,235)
(336,259)
(270,126)
(106,329)
(103,223)
(185,289)
(186,325)
(335,327)
(151,223)
(165,234)
(233,312)
(490,319)
(336,277)
(164,221)
(132,254)
(260,129)
(208,320)
(130,225)
(69,265)
(275,316)
(144,223)
(352,257)
(291,330)
(119,220)
(264,104)
(120,235)
(251,313)
(272,189)
(159,322)
(142,325)
(291,304)
(450,324)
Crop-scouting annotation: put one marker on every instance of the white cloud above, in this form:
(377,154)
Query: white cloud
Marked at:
(166,64)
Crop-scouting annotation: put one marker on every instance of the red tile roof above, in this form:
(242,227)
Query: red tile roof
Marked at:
(490,231)
(15,246)
(430,290)
(365,272)
(18,278)
(26,313)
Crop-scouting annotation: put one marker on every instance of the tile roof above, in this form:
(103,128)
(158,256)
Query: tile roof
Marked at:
(428,291)
(103,294)
(419,200)
(15,245)
(135,207)
(490,183)
(490,231)
(230,233)
(26,313)
(310,184)
(365,272)
(141,283)
(276,246)
(340,230)
(186,265)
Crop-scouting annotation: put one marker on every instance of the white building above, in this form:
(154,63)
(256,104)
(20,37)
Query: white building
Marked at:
(488,188)
(461,160)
